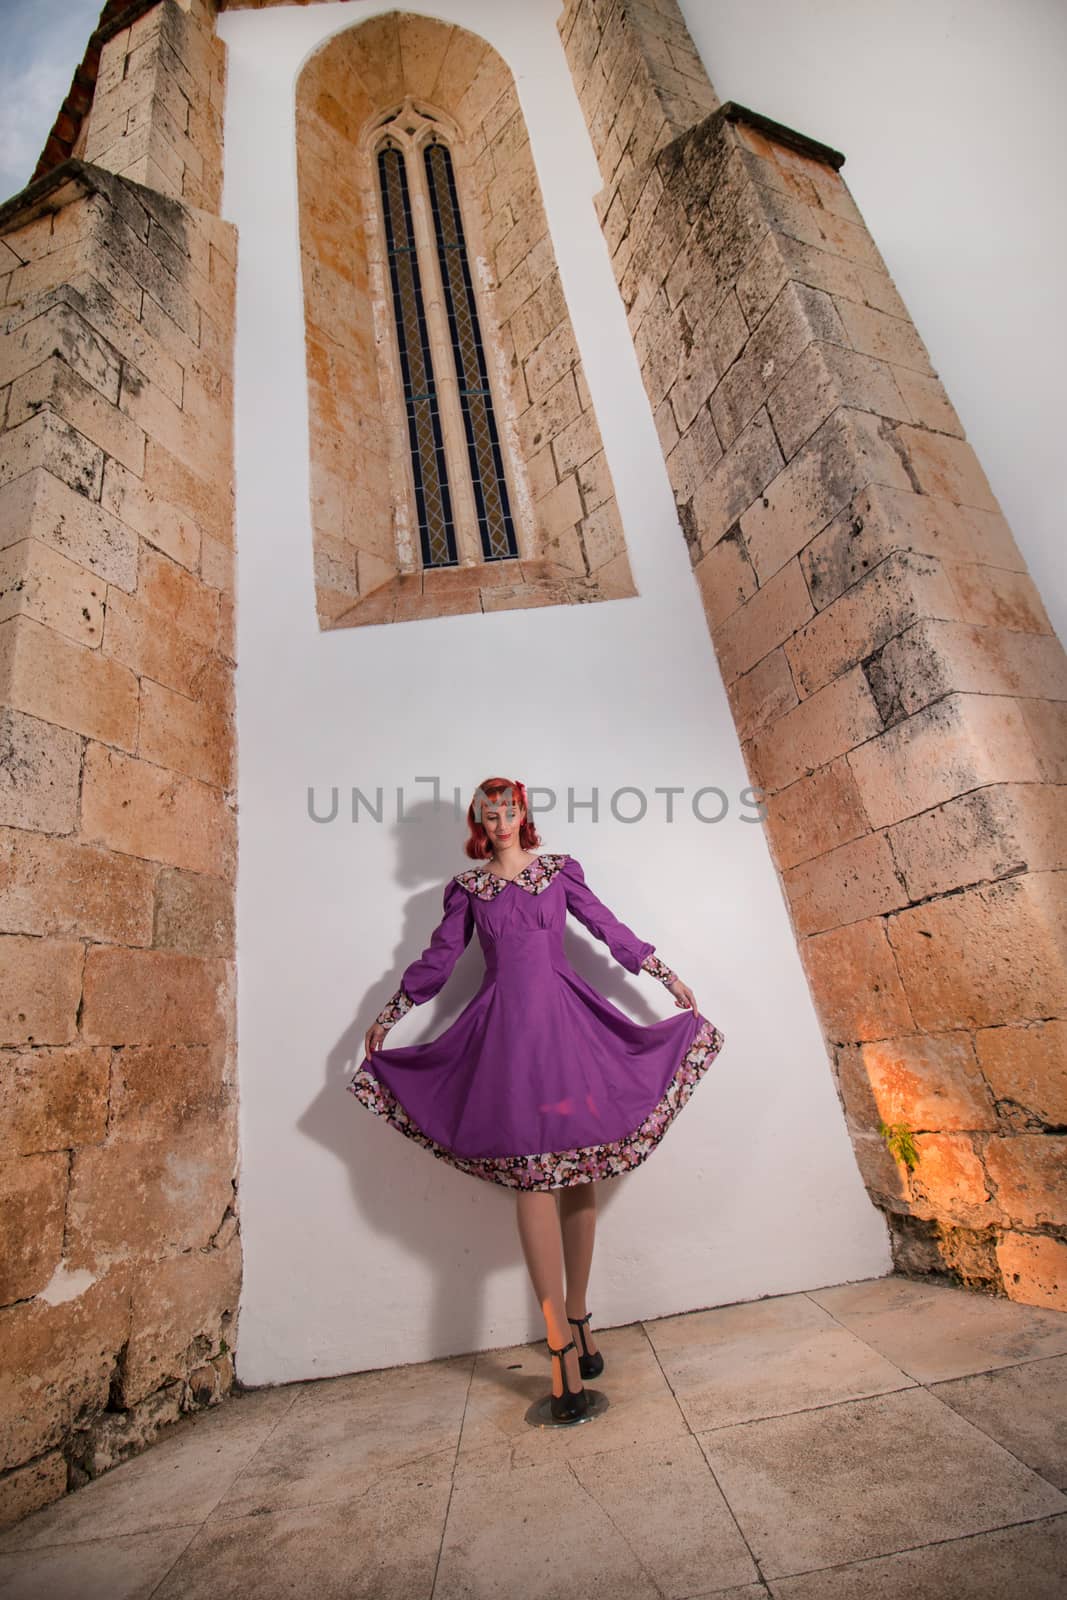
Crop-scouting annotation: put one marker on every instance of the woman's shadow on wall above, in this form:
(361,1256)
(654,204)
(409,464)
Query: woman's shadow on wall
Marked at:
(461,1227)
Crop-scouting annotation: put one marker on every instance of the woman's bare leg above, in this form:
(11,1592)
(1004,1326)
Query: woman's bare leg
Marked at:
(539,1229)
(577,1223)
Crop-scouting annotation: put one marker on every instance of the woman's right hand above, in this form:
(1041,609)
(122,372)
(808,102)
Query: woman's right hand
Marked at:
(375,1038)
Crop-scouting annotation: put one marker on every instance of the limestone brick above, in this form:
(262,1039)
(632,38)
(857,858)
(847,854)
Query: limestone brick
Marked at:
(33,1194)
(61,887)
(855,983)
(770,617)
(1030,1174)
(900,590)
(815,814)
(958,744)
(1034,1269)
(54,1099)
(830,722)
(180,1301)
(935,658)
(949,1181)
(930,1082)
(850,883)
(1027,1066)
(145,810)
(993,832)
(768,691)
(987,955)
(58,1363)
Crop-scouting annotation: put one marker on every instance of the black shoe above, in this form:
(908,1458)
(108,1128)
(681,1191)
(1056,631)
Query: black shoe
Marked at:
(589,1366)
(572,1403)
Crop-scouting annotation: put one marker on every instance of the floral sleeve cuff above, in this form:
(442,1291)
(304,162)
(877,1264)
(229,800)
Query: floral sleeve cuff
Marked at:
(659,969)
(394,1008)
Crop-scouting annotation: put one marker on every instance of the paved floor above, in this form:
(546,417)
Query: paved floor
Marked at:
(879,1439)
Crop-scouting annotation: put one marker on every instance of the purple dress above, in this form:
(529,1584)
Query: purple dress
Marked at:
(540,1082)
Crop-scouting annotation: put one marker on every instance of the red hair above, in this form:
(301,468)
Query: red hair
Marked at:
(513,793)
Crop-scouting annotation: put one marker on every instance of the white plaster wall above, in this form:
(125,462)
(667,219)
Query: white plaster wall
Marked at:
(361,1249)
(951,117)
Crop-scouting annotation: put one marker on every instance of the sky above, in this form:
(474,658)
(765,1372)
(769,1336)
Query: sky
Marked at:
(41,43)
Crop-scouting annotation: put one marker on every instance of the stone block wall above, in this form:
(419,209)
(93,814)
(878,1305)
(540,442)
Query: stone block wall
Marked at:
(120,1271)
(899,692)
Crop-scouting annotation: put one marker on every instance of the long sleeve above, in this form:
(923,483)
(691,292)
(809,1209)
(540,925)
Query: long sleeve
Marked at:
(422,979)
(629,951)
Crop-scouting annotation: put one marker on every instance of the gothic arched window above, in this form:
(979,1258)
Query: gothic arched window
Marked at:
(457,464)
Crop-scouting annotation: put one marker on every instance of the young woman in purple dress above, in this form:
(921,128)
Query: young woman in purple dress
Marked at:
(541,1083)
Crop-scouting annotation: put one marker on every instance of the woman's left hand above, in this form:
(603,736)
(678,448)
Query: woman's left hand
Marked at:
(683,995)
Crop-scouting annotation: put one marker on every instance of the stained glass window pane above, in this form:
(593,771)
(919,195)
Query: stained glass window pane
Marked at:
(432,498)
(483,443)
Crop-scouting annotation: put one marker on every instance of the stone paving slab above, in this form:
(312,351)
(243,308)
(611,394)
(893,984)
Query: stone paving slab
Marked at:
(763,1358)
(867,1477)
(1028,1562)
(178,1480)
(860,1441)
(935,1331)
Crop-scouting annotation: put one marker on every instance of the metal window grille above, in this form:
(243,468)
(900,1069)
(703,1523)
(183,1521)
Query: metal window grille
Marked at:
(433,500)
(495,524)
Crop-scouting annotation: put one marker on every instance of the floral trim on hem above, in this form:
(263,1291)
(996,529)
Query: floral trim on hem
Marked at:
(558,1169)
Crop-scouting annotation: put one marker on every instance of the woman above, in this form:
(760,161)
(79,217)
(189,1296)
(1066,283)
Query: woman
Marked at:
(540,1083)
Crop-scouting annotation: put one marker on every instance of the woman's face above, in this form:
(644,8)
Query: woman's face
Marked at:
(502,819)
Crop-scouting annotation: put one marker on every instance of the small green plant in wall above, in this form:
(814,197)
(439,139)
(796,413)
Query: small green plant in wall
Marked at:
(901,1142)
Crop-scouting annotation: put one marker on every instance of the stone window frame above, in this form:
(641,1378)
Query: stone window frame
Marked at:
(366,556)
(429,120)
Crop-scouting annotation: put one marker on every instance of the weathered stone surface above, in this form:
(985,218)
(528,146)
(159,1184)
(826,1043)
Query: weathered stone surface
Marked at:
(828,723)
(948,749)
(158,1090)
(849,451)
(901,589)
(194,913)
(987,955)
(931,1082)
(41,767)
(67,685)
(948,1182)
(27,1488)
(40,987)
(1034,1269)
(890,667)
(931,659)
(771,617)
(815,815)
(879,520)
(116,634)
(33,1193)
(993,832)
(151,997)
(144,1199)
(855,881)
(144,810)
(855,983)
(1029,1171)
(824,377)
(765,693)
(58,1361)
(181,1306)
(1027,1065)
(51,885)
